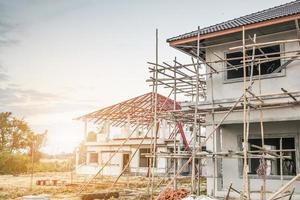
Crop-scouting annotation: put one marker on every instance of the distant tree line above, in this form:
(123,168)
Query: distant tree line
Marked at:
(19,145)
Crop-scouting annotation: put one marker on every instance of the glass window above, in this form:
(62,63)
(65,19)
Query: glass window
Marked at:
(273,165)
(235,62)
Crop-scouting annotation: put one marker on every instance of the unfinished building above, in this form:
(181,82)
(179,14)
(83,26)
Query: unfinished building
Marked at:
(123,135)
(251,106)
(242,88)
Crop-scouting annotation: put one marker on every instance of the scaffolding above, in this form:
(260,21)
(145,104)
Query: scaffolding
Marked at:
(191,81)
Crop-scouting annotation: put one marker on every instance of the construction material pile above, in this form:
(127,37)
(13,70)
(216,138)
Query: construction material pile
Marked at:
(171,194)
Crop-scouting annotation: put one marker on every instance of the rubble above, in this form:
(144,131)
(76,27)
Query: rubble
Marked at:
(171,194)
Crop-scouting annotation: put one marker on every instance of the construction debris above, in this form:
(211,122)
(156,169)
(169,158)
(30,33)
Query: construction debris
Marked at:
(171,194)
(48,182)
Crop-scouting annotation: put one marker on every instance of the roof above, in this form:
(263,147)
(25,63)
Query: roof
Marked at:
(283,10)
(139,110)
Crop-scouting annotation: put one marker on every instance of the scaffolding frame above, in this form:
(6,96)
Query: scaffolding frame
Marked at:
(186,79)
(190,80)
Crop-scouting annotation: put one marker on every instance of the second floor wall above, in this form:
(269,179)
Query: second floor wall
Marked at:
(230,86)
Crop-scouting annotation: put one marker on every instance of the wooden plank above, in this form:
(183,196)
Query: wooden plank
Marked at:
(284,188)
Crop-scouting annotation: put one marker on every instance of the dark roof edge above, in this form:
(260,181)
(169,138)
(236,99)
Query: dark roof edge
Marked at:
(241,21)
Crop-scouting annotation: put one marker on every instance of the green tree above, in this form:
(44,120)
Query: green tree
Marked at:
(19,132)
(19,145)
(34,143)
(4,129)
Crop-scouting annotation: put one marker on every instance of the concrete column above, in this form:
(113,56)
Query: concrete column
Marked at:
(107,130)
(77,158)
(218,160)
(163,132)
(85,129)
(209,169)
(162,162)
(88,157)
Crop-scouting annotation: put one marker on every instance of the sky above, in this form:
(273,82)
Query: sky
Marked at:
(60,59)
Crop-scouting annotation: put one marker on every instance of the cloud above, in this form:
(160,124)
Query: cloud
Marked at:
(30,102)
(18,96)
(3,77)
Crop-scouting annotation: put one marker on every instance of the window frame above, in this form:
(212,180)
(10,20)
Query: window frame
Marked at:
(97,153)
(270,136)
(144,157)
(264,76)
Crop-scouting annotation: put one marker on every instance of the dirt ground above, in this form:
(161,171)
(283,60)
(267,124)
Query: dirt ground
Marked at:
(14,187)
(129,187)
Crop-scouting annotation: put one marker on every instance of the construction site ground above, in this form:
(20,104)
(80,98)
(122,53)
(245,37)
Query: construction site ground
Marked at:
(128,187)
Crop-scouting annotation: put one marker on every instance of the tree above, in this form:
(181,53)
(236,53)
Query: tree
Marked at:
(16,135)
(19,132)
(19,145)
(13,132)
(4,129)
(34,143)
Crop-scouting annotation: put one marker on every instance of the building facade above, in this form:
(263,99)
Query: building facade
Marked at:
(275,89)
(120,138)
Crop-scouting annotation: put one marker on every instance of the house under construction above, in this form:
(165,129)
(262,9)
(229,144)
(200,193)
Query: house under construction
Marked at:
(123,135)
(242,98)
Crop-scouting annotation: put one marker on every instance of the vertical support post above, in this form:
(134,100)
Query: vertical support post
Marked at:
(262,131)
(88,157)
(85,129)
(245,129)
(175,128)
(76,158)
(199,163)
(215,174)
(32,163)
(154,85)
(195,115)
(281,162)
(155,113)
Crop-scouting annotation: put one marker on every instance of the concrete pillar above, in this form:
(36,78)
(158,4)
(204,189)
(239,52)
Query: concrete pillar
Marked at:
(85,129)
(88,157)
(209,169)
(214,183)
(107,130)
(76,158)
(163,132)
(162,162)
(218,160)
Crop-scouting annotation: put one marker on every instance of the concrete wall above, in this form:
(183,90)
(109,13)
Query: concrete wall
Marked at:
(115,167)
(280,121)
(223,90)
(108,142)
(230,135)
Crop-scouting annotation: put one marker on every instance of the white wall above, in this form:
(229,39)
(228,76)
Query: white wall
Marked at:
(222,90)
(115,167)
(231,168)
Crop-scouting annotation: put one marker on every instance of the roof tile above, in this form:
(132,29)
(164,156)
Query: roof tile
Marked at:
(287,9)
